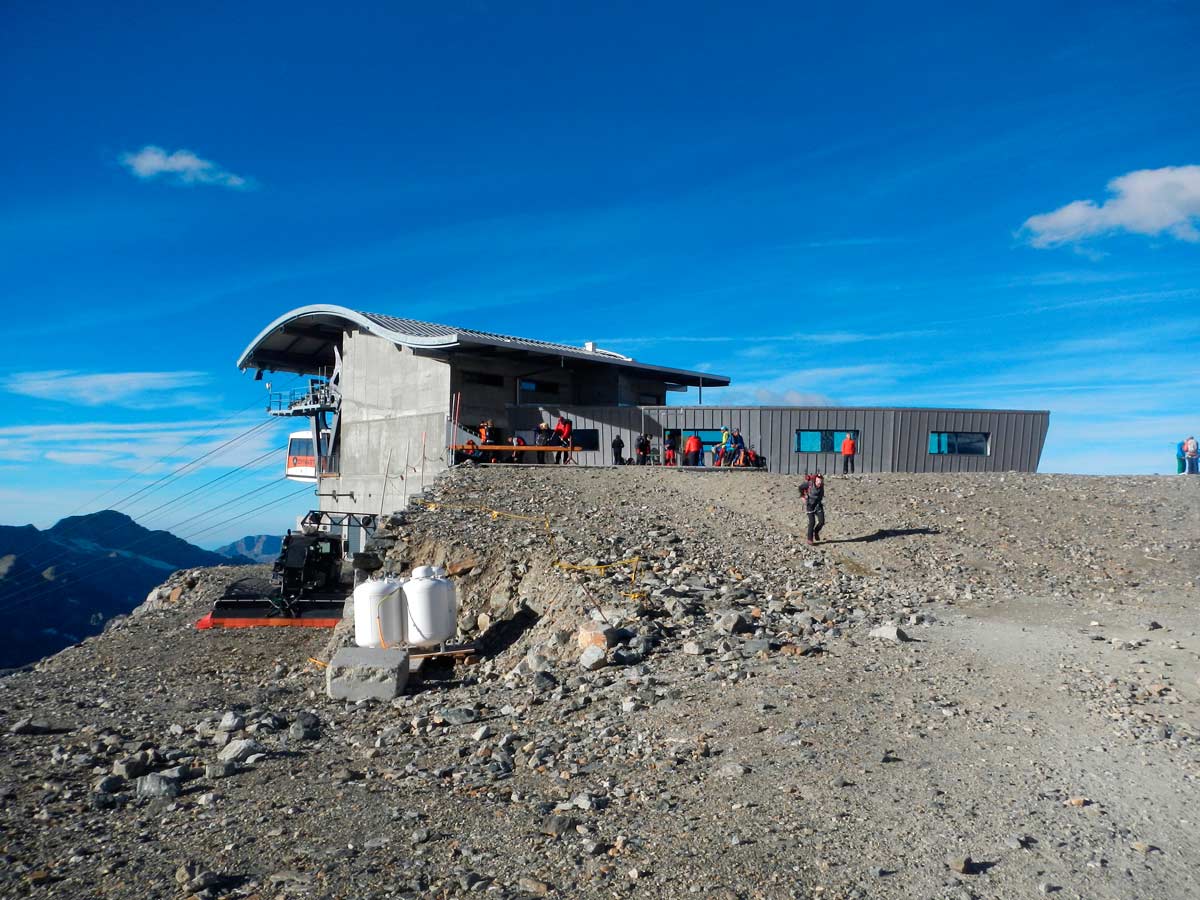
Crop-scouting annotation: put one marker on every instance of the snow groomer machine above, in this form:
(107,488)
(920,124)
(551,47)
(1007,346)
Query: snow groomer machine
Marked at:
(306,587)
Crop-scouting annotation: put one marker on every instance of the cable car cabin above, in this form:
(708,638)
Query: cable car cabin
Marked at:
(301,461)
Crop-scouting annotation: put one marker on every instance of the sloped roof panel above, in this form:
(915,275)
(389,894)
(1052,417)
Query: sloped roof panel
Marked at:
(293,342)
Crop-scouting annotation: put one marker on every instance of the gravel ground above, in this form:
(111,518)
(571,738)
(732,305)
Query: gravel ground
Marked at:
(979,686)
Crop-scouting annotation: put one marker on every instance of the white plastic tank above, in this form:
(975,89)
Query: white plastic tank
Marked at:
(432,608)
(379,617)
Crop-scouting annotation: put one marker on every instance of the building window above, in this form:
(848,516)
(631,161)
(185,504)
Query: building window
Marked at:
(484,378)
(586,438)
(529,386)
(821,441)
(649,400)
(959,443)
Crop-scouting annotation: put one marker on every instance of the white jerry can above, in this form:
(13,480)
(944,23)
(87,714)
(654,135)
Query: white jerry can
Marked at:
(432,608)
(379,617)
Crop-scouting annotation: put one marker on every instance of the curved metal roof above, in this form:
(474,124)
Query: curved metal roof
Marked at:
(302,341)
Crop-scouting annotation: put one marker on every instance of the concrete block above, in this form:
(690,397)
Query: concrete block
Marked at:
(367,673)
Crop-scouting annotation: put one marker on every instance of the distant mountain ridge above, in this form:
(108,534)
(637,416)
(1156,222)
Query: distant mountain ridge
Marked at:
(60,585)
(263,548)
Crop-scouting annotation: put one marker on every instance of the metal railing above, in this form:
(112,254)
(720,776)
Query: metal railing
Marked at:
(318,395)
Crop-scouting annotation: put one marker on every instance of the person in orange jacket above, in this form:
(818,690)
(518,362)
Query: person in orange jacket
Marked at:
(849,448)
(692,448)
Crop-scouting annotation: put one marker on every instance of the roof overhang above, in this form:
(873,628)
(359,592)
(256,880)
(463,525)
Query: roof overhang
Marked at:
(304,339)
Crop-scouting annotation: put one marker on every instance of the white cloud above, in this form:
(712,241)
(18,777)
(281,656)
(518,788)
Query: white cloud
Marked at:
(181,167)
(818,386)
(137,390)
(97,464)
(80,457)
(1148,201)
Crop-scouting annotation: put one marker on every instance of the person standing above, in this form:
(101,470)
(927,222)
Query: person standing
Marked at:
(1191,451)
(668,449)
(814,506)
(692,450)
(618,449)
(1180,459)
(641,449)
(541,438)
(564,438)
(849,448)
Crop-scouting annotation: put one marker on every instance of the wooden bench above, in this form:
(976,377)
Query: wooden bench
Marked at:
(497,448)
(501,450)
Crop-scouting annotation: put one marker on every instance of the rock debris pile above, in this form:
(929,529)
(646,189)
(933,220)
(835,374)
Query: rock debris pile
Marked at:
(959,695)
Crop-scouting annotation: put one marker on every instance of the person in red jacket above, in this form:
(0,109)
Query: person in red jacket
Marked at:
(692,448)
(517,456)
(563,431)
(849,448)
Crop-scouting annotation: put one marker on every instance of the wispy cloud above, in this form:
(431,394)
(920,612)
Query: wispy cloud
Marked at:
(1148,201)
(180,167)
(80,457)
(134,446)
(135,390)
(105,463)
(815,386)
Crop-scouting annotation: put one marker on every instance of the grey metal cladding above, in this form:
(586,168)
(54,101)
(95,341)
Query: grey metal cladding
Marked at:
(410,326)
(891,439)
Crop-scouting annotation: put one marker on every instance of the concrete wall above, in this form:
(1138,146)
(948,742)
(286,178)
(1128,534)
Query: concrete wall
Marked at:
(392,398)
(890,439)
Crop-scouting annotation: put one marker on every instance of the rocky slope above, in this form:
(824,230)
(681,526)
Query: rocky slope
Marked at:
(59,585)
(259,548)
(981,686)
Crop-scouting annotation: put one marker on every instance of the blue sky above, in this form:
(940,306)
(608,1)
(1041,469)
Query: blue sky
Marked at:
(881,205)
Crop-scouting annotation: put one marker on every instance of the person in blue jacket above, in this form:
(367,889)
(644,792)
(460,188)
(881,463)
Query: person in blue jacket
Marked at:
(737,449)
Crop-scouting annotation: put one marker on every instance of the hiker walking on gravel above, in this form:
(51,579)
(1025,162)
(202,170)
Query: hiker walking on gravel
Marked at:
(849,448)
(813,493)
(1191,452)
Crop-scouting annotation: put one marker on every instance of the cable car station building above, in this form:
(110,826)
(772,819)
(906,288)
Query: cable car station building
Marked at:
(388,396)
